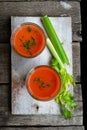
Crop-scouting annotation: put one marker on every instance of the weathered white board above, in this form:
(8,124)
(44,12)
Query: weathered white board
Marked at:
(22,102)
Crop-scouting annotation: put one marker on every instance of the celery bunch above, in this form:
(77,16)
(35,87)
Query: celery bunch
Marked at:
(64,98)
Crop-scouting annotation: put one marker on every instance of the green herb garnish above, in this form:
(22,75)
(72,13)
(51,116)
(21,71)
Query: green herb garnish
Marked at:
(32,44)
(26,44)
(37,80)
(33,39)
(42,85)
(29,29)
(41,82)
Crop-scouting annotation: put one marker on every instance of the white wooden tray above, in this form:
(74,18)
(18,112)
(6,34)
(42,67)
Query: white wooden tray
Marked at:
(22,102)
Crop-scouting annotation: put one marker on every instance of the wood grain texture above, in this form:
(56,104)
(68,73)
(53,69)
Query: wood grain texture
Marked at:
(7,119)
(5,63)
(76,62)
(39,120)
(39,8)
(78,92)
(34,0)
(5,96)
(45,128)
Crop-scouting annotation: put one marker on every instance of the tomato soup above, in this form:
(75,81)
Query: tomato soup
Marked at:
(28,40)
(43,83)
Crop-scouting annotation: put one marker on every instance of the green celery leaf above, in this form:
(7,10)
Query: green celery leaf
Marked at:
(67,114)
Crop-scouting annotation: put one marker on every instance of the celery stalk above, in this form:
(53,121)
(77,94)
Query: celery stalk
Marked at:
(54,53)
(54,39)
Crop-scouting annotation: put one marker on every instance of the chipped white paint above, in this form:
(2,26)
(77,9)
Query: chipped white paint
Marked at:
(22,102)
(65,5)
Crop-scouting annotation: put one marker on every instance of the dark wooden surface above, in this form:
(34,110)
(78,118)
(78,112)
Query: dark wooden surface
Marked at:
(52,8)
(10,8)
(37,0)
(44,128)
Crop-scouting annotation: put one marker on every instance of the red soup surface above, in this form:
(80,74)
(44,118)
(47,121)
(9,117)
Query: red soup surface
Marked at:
(43,83)
(28,40)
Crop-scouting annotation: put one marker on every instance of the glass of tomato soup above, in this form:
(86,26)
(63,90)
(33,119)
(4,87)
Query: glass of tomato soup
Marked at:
(43,83)
(28,40)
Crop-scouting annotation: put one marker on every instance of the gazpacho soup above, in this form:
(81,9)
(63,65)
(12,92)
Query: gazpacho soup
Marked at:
(43,83)
(28,40)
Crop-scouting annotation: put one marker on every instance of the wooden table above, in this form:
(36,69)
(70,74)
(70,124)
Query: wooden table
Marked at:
(37,8)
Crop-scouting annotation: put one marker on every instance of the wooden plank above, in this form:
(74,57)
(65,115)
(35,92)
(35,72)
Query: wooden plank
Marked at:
(76,62)
(77,33)
(5,97)
(44,128)
(44,120)
(33,0)
(51,8)
(5,94)
(7,119)
(5,65)
(78,92)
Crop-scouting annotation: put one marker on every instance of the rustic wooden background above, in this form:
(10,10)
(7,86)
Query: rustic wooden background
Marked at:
(64,8)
